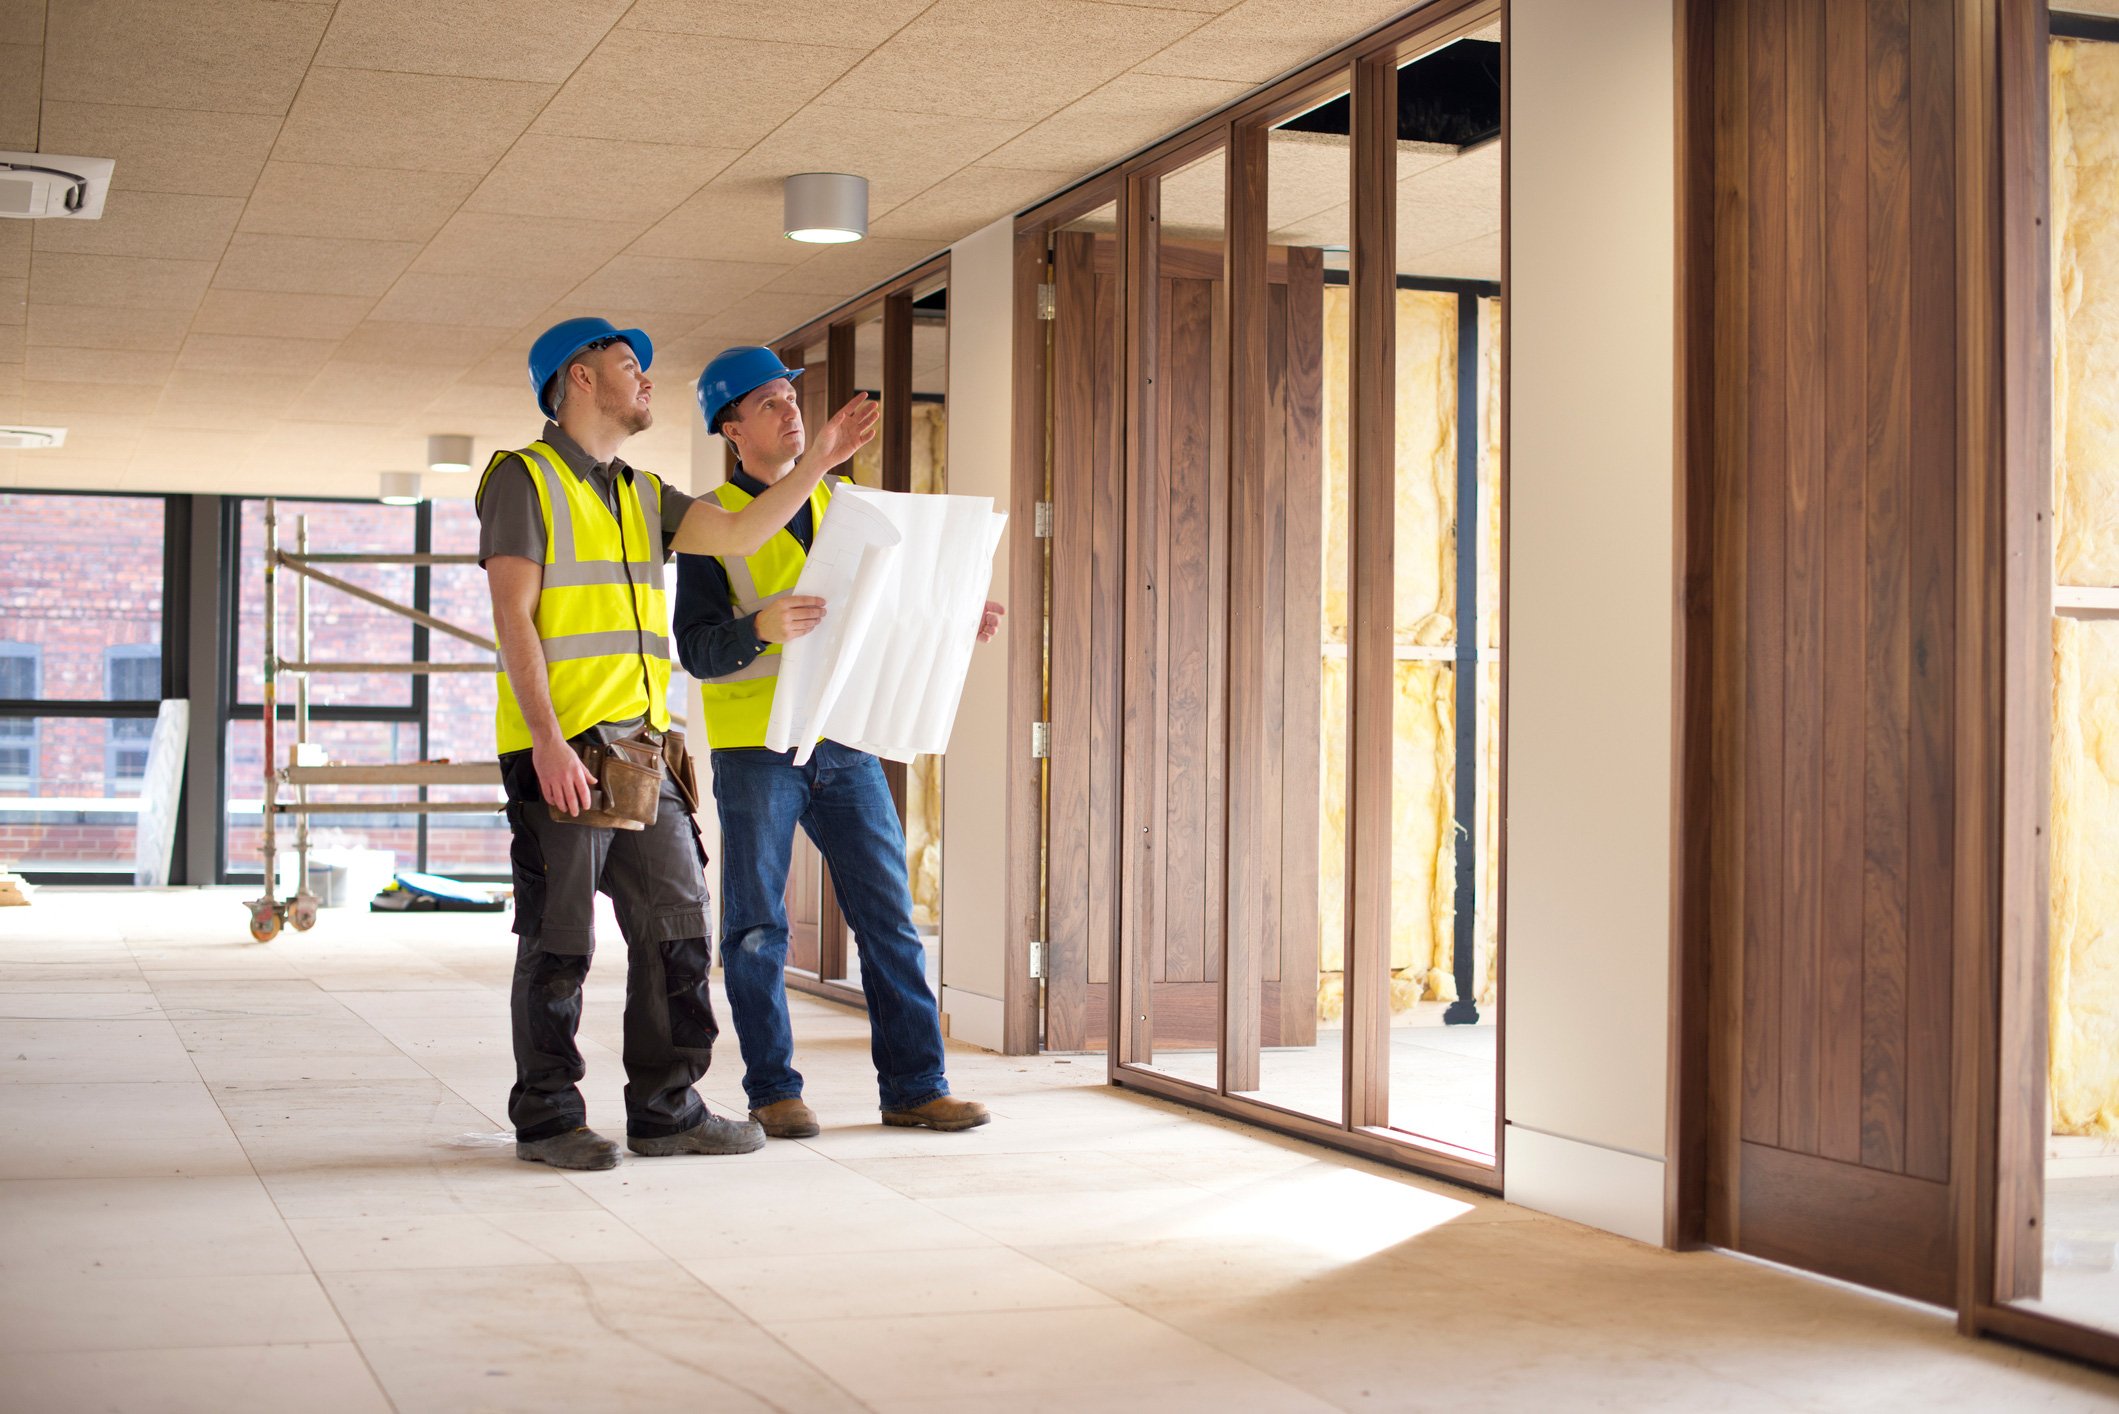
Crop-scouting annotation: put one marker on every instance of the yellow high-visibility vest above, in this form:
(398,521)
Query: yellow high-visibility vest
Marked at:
(601,616)
(738,705)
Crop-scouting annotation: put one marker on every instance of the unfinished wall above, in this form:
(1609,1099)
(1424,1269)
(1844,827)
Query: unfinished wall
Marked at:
(2084,975)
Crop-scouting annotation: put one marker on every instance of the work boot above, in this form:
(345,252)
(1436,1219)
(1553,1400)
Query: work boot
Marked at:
(787,1119)
(941,1112)
(712,1135)
(580,1148)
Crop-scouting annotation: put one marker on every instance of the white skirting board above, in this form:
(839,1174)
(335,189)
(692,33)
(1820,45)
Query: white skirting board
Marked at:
(973,1018)
(1586,1183)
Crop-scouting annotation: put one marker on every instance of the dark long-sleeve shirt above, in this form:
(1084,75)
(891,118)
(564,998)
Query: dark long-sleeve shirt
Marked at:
(712,641)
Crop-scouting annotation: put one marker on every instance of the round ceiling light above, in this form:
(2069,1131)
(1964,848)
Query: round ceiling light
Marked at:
(401,488)
(825,208)
(448,451)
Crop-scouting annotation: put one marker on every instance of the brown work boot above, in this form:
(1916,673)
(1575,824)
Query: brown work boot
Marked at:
(787,1119)
(941,1112)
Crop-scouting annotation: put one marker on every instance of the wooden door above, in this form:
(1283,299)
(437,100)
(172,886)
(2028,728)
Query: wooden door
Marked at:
(1832,572)
(1188,738)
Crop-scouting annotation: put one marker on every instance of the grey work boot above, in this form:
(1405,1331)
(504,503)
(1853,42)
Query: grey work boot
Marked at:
(713,1135)
(580,1148)
(787,1119)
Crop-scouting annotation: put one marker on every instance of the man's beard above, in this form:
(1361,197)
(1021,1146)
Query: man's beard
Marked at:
(633,416)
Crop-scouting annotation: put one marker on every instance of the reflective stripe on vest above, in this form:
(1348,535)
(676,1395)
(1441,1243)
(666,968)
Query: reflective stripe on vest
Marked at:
(738,705)
(601,616)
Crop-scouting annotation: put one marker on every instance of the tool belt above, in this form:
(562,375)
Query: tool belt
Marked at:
(629,772)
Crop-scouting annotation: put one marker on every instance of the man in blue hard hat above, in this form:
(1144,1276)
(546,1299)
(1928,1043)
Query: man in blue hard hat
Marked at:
(734,611)
(573,542)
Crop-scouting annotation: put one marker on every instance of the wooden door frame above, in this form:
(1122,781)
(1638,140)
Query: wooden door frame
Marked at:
(1377,53)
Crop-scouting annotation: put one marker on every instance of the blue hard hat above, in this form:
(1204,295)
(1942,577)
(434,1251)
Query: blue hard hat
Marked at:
(569,337)
(735,372)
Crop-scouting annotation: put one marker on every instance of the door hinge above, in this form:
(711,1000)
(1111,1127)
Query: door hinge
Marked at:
(1048,301)
(1041,741)
(1037,959)
(1044,520)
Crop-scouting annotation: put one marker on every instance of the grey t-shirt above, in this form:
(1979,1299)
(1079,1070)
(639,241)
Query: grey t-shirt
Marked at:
(509,522)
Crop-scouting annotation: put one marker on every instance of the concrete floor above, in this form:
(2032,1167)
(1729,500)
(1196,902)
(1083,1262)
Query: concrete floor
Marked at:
(238,1177)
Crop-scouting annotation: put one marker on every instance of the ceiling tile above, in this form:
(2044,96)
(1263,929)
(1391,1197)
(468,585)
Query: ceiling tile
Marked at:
(952,59)
(14,248)
(312,265)
(271,312)
(481,243)
(165,149)
(843,270)
(88,326)
(14,345)
(539,40)
(1260,39)
(198,395)
(428,346)
(229,56)
(765,316)
(849,24)
(690,89)
(422,298)
(362,118)
(732,218)
(1129,112)
(364,203)
(55,402)
(694,287)
(166,225)
(14,300)
(21,83)
(900,158)
(133,367)
(961,204)
(22,21)
(253,353)
(120,280)
(595,177)
(472,400)
(356,391)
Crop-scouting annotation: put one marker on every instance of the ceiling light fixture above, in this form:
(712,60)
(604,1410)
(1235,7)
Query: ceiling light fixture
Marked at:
(825,208)
(401,488)
(448,451)
(23,439)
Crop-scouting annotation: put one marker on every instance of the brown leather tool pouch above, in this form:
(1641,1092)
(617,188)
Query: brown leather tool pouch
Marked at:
(679,761)
(628,790)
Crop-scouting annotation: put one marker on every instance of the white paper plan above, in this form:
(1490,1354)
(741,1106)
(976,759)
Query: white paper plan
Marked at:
(903,579)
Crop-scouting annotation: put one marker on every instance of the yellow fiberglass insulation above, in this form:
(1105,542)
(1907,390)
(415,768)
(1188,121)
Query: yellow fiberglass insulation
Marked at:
(1423,842)
(2084,948)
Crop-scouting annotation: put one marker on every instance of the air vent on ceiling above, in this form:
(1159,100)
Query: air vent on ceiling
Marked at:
(22,439)
(39,186)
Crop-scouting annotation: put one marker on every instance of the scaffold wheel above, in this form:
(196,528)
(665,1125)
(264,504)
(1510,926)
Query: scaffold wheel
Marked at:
(264,922)
(301,912)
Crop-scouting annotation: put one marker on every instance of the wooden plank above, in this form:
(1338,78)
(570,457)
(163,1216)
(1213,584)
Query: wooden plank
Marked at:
(1250,929)
(1142,794)
(1371,688)
(1767,455)
(2006,1108)
(1839,1079)
(1075,438)
(1026,831)
(1859,1224)
(1888,690)
(1107,595)
(1931,535)
(1803,710)
(1302,674)
(410,773)
(1727,335)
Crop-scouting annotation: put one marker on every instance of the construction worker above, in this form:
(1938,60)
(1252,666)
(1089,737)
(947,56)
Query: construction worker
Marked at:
(573,542)
(734,611)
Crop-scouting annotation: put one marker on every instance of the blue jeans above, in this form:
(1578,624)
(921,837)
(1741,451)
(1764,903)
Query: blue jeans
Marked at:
(842,801)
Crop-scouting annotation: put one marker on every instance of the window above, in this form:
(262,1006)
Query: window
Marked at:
(132,673)
(18,735)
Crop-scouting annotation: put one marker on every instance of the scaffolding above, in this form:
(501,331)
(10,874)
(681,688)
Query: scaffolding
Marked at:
(297,775)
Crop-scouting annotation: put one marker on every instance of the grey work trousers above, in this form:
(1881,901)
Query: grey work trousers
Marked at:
(656,879)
